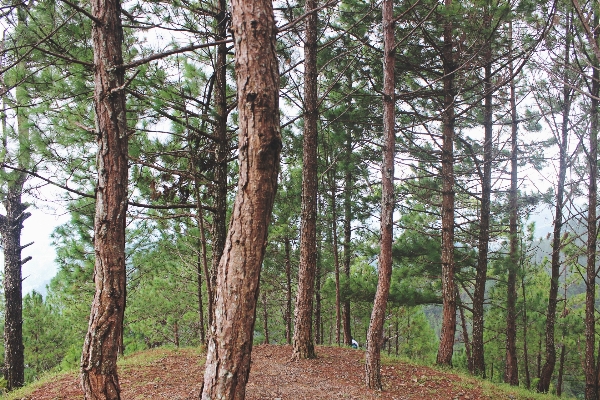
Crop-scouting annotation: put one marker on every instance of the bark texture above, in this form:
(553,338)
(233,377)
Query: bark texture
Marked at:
(11,226)
(550,361)
(375,332)
(219,227)
(236,293)
(99,359)
(303,345)
(446,348)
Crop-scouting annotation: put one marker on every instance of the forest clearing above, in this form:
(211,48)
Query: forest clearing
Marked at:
(172,374)
(416,177)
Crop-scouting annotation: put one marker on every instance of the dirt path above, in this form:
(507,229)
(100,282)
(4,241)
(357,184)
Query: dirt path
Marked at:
(337,373)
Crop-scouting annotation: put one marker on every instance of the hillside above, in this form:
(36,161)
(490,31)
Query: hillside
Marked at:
(336,374)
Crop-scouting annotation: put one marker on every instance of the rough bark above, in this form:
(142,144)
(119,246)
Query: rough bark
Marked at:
(236,293)
(11,226)
(219,227)
(550,361)
(511,373)
(375,332)
(303,345)
(99,359)
(591,377)
(484,217)
(446,347)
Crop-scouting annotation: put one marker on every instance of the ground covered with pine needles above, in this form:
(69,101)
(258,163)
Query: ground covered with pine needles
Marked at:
(337,373)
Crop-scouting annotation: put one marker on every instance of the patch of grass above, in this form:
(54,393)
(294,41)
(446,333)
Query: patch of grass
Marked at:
(493,390)
(147,357)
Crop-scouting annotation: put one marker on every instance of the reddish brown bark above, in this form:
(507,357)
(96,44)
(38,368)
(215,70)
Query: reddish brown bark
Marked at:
(446,347)
(550,361)
(236,293)
(99,359)
(303,337)
(511,373)
(375,332)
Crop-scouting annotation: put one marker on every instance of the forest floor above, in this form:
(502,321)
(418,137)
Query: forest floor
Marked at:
(337,373)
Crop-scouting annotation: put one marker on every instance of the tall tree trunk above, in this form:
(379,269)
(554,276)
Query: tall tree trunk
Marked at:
(511,375)
(375,332)
(219,227)
(347,236)
(548,368)
(11,226)
(303,345)
(591,376)
(318,317)
(336,259)
(288,300)
(230,342)
(99,358)
(484,215)
(446,347)
(525,349)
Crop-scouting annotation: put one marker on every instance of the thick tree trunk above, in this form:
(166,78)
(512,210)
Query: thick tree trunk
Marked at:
(375,332)
(484,218)
(446,347)
(347,236)
(548,368)
(99,359)
(591,377)
(303,345)
(219,227)
(511,374)
(230,342)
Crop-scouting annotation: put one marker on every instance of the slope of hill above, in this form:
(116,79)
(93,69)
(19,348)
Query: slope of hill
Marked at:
(337,373)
